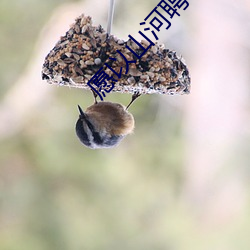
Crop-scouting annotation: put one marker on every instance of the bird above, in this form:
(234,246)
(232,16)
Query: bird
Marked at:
(104,124)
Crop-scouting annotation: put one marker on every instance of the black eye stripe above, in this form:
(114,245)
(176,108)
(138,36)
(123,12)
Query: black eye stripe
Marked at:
(97,138)
(82,135)
(96,135)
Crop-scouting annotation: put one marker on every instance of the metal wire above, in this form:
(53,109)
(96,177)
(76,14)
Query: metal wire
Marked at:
(110,16)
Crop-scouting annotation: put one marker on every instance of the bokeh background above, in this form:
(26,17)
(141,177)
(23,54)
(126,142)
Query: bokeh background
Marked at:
(180,182)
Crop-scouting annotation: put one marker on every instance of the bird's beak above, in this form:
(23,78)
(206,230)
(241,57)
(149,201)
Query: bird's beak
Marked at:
(82,115)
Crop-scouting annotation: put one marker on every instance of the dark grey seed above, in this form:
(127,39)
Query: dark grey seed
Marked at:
(45,77)
(69,60)
(78,70)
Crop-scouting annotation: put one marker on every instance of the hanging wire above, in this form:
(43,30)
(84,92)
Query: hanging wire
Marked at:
(110,16)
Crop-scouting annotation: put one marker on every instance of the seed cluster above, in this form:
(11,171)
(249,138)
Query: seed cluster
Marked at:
(84,49)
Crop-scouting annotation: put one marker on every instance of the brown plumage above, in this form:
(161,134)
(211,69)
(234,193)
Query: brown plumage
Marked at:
(111,117)
(104,125)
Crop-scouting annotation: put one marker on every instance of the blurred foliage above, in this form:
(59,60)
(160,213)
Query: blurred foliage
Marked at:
(20,23)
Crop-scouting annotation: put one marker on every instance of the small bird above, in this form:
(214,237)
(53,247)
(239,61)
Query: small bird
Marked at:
(104,124)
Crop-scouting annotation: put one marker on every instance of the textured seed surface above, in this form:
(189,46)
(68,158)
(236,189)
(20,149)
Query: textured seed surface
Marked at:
(79,54)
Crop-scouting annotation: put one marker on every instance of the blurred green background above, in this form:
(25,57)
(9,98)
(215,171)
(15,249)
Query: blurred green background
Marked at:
(180,182)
